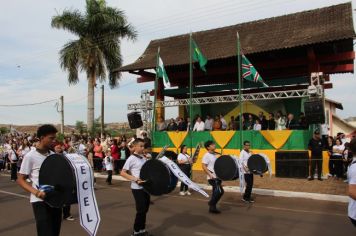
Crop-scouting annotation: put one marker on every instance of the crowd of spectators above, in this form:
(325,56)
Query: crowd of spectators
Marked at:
(14,146)
(249,122)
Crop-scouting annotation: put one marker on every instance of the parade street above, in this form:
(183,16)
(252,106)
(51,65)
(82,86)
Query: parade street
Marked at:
(181,215)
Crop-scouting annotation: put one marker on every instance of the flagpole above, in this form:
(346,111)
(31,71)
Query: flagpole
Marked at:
(190,93)
(240,87)
(153,125)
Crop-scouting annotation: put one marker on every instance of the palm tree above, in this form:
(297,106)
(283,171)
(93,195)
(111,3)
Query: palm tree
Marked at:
(97,49)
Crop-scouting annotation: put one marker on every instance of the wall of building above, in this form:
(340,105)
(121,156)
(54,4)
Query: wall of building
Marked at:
(339,126)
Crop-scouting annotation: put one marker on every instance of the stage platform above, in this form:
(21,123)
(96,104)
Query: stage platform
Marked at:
(268,142)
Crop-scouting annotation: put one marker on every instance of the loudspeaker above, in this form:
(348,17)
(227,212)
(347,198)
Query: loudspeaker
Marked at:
(135,120)
(292,164)
(314,111)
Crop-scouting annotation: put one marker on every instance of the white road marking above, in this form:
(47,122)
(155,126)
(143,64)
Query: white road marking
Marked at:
(15,194)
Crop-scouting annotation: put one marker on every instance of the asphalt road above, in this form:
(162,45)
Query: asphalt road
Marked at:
(176,215)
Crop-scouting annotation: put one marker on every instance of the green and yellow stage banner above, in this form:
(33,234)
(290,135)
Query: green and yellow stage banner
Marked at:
(228,142)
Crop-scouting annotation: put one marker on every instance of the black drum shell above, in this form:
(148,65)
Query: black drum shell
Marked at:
(158,177)
(226,168)
(58,172)
(257,164)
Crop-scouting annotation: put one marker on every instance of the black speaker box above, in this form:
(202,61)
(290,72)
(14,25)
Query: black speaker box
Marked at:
(314,111)
(135,120)
(292,164)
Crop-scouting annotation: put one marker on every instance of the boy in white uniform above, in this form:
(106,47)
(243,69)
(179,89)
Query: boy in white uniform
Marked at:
(352,184)
(109,166)
(244,156)
(131,171)
(48,219)
(208,162)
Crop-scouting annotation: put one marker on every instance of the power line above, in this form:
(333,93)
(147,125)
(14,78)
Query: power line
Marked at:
(28,104)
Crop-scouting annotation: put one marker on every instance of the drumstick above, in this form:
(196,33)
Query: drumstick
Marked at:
(161,153)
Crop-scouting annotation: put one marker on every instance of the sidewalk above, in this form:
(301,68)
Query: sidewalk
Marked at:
(327,190)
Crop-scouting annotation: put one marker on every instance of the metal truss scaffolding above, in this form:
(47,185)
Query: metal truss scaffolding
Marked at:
(222,99)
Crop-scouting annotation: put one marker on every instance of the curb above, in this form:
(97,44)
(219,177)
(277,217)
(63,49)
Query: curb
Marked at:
(266,192)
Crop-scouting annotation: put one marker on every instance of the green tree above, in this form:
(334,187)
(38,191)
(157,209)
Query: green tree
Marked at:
(97,49)
(4,130)
(79,126)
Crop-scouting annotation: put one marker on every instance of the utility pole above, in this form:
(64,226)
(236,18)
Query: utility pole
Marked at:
(62,115)
(102,110)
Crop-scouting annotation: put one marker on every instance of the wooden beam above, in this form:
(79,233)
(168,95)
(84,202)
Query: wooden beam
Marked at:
(144,79)
(344,56)
(330,69)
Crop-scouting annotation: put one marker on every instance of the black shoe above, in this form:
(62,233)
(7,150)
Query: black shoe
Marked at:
(145,233)
(251,200)
(320,179)
(213,210)
(310,179)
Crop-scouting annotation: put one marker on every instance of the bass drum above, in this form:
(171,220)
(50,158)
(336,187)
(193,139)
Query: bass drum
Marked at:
(57,172)
(158,177)
(226,168)
(257,164)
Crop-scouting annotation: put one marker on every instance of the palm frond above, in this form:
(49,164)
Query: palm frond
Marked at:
(73,21)
(69,58)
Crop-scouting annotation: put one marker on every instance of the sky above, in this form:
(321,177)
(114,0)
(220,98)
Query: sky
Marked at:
(29,47)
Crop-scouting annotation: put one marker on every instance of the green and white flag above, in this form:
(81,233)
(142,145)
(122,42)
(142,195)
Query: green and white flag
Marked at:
(250,73)
(198,56)
(161,73)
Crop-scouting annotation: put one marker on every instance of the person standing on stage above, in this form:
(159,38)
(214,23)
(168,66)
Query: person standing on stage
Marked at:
(352,183)
(184,163)
(316,147)
(208,162)
(131,171)
(48,219)
(244,156)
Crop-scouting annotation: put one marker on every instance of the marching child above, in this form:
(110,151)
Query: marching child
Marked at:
(131,171)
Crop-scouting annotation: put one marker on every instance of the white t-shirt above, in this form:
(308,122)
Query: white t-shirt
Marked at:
(183,157)
(208,125)
(209,160)
(30,166)
(199,126)
(223,123)
(244,156)
(339,148)
(351,174)
(257,127)
(134,165)
(12,155)
(108,163)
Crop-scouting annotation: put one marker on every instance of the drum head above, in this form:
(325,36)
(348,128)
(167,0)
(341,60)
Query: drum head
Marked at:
(56,171)
(257,164)
(158,178)
(225,168)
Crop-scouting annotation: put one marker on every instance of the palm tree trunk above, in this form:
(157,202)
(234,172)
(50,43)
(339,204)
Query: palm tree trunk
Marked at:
(90,114)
